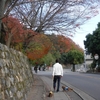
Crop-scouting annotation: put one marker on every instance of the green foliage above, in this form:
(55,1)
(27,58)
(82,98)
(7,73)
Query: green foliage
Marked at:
(40,47)
(92,42)
(56,54)
(64,58)
(73,57)
(48,59)
(93,65)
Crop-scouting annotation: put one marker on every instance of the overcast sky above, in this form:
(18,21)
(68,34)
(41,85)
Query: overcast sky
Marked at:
(89,27)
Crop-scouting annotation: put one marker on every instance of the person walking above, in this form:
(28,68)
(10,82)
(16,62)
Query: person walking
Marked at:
(36,68)
(57,74)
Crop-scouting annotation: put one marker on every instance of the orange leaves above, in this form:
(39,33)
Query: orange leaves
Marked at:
(13,25)
(36,54)
(13,29)
(28,35)
(64,44)
(40,46)
(34,45)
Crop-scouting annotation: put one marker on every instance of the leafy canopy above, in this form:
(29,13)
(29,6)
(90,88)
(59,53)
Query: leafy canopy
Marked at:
(92,42)
(73,57)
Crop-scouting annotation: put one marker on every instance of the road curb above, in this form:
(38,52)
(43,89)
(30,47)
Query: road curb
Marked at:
(82,94)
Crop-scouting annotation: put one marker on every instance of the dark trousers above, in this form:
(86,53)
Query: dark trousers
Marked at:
(56,80)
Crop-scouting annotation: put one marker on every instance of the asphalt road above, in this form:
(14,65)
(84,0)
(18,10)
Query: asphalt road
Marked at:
(89,83)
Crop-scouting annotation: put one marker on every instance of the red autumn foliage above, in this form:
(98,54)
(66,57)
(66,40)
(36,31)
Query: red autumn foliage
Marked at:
(31,39)
(41,46)
(66,44)
(28,36)
(14,29)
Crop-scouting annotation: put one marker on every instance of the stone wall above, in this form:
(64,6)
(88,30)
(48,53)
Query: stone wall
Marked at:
(15,74)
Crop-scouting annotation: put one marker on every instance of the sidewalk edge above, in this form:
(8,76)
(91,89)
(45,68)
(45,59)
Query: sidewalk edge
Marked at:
(82,94)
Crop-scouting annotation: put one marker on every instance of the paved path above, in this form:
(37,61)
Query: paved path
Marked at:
(38,90)
(43,85)
(57,95)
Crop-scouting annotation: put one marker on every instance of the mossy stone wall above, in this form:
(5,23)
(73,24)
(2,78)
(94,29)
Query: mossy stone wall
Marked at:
(16,77)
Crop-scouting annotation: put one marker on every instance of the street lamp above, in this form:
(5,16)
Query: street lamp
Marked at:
(96,56)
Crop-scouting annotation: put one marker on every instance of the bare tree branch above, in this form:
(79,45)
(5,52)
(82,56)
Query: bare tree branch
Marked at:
(62,16)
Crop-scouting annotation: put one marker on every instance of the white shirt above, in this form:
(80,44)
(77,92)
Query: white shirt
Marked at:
(57,69)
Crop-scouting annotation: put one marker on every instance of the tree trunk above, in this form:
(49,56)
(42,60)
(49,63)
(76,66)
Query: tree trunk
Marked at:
(73,68)
(2,6)
(9,40)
